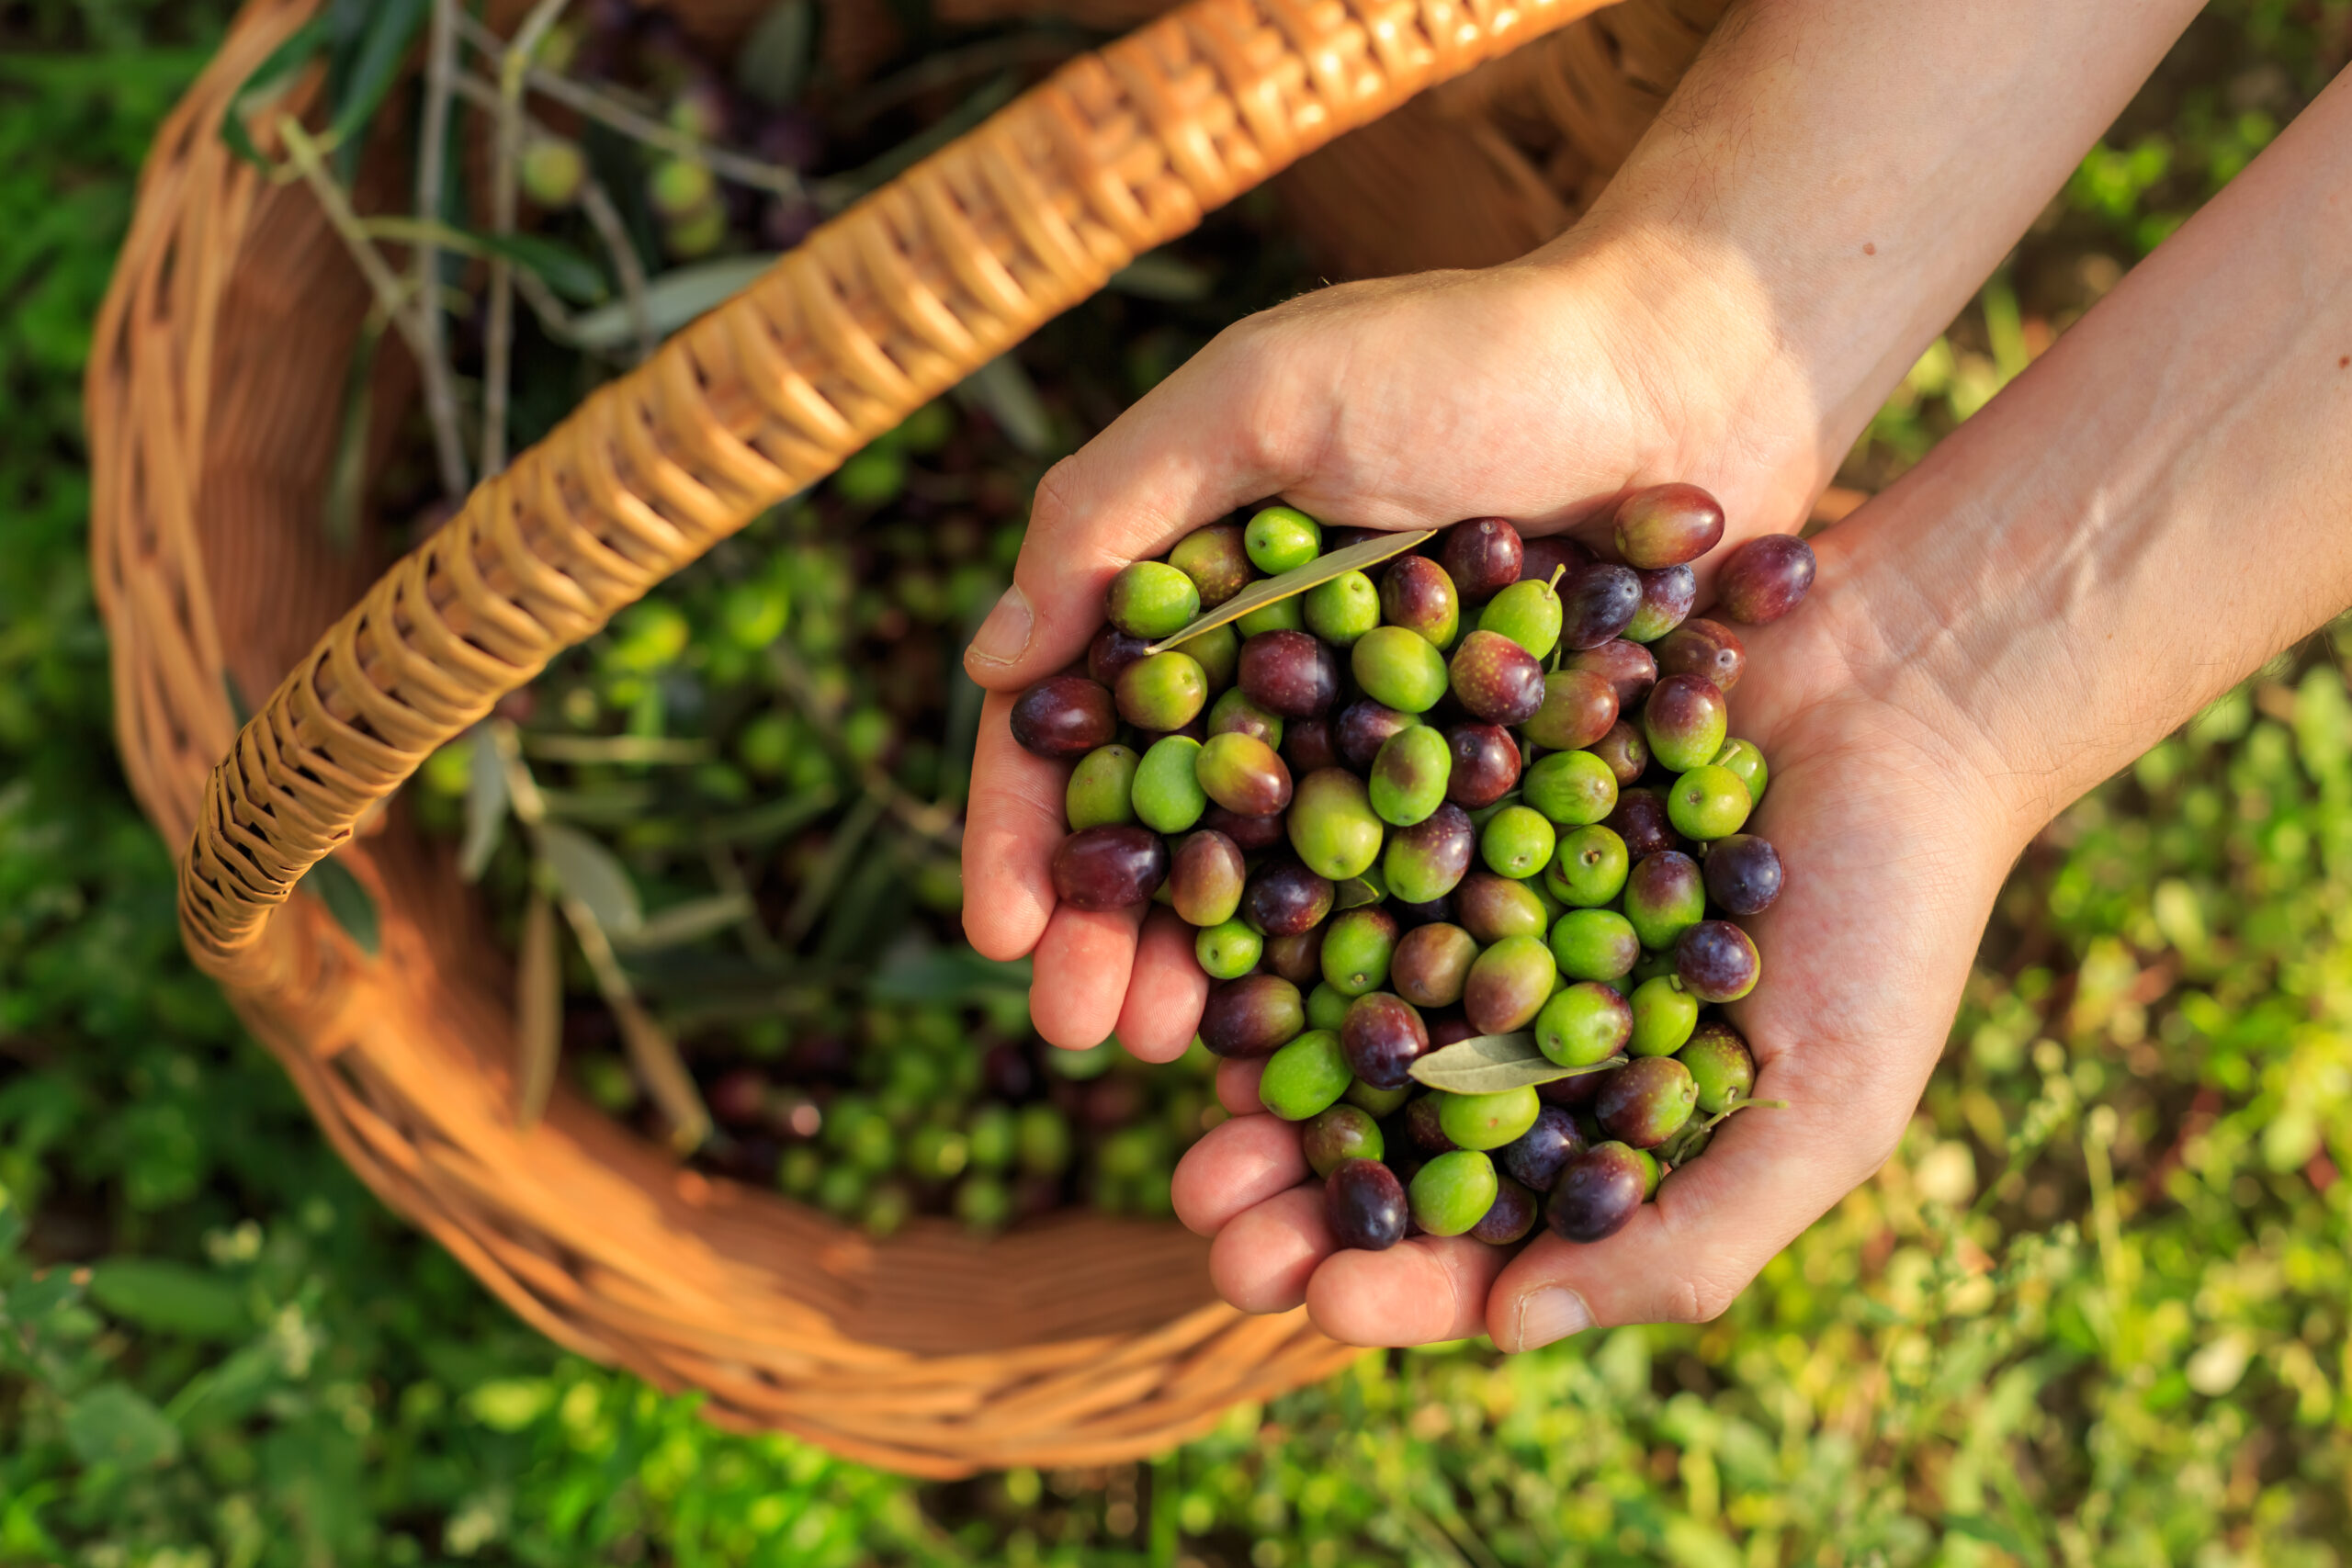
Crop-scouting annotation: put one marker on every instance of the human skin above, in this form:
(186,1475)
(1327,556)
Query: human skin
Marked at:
(2161,503)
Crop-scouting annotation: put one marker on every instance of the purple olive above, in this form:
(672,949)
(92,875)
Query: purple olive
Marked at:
(1486,764)
(1627,754)
(1579,707)
(1284,898)
(1483,557)
(1539,558)
(1496,679)
(1716,961)
(1765,578)
(1599,1192)
(1641,821)
(1627,666)
(1308,748)
(1666,525)
(1290,673)
(1709,650)
(1364,727)
(1364,1205)
(1597,604)
(1536,1157)
(1382,1038)
(1110,652)
(1251,834)
(1254,1016)
(1064,717)
(1111,867)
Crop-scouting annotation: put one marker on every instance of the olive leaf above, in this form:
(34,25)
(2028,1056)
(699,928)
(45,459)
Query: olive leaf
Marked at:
(663,1073)
(1489,1063)
(588,872)
(671,300)
(1358,891)
(539,1011)
(347,470)
(1314,574)
(1002,389)
(486,803)
(620,749)
(773,65)
(683,924)
(348,900)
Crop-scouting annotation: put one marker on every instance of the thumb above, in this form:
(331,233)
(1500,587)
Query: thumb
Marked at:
(1189,452)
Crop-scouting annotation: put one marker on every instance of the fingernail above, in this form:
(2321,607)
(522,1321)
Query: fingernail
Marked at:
(1004,635)
(1552,1312)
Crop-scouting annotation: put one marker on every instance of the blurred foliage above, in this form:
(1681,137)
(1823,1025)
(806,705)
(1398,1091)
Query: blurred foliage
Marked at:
(2095,1312)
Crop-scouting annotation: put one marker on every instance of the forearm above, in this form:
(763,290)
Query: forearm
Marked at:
(1836,177)
(2163,502)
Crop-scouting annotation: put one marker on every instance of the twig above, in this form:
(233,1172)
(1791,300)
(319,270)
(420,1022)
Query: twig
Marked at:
(393,296)
(951,65)
(935,820)
(498,338)
(432,350)
(606,219)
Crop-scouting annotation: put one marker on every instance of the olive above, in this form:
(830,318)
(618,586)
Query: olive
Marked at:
(1151,599)
(1364,1205)
(1168,795)
(1595,944)
(1706,648)
(1415,593)
(1743,874)
(1574,789)
(1234,714)
(1227,950)
(1359,947)
(1252,833)
(1425,1127)
(1646,1100)
(1383,1037)
(1684,721)
(1517,842)
(1485,765)
(1307,746)
(1063,716)
(1535,1158)
(1720,1064)
(1284,898)
(1528,612)
(1668,525)
(1450,1028)
(1628,667)
(1108,867)
(1427,860)
(1282,539)
(1339,1132)
(1431,964)
(1488,1121)
(1218,653)
(1579,707)
(1665,896)
(1664,1015)
(1666,597)
(1492,908)
(1254,1016)
(1297,957)
(1243,774)
(1163,692)
(1378,1101)
(1597,604)
(1110,652)
(1399,667)
(1507,984)
(1206,877)
(1589,869)
(1428,911)
(1332,825)
(1598,1191)
(1290,673)
(1101,788)
(1497,679)
(1306,1077)
(1708,803)
(1742,758)
(1482,556)
(1716,959)
(1453,1192)
(1216,559)
(1409,777)
(1765,578)
(1509,1218)
(1361,728)
(1282,615)
(1583,1023)
(1640,820)
(1625,751)
(1342,609)
(1689,1142)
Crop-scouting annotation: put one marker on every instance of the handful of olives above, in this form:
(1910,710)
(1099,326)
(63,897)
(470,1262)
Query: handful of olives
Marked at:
(1459,818)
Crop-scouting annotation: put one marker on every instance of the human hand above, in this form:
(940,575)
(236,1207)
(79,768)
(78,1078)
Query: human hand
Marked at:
(1542,391)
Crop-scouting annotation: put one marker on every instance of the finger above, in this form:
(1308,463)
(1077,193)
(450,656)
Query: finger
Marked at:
(1236,1167)
(1262,1259)
(1189,452)
(1080,979)
(1166,993)
(1237,1085)
(1011,828)
(1420,1290)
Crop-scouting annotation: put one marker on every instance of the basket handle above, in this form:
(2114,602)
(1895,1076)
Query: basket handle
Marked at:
(878,312)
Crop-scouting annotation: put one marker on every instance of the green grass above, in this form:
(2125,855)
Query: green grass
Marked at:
(2097,1311)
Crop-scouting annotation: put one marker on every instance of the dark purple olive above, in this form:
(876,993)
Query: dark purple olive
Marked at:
(1421,1125)
(1536,1157)
(1716,962)
(1250,833)
(1539,558)
(1364,1204)
(1307,746)
(1646,1101)
(1109,867)
(1598,1193)
(1764,579)
(1627,666)
(1254,1016)
(1110,652)
(1298,955)
(1571,1094)
(1597,604)
(1363,725)
(1285,898)
(1668,595)
(1496,679)
(1290,673)
(1382,1037)
(1706,648)
(1509,1218)
(1640,820)
(1064,717)
(1743,874)
(1483,557)
(1431,911)
(1627,754)
(1486,764)
(1450,1028)
(1668,525)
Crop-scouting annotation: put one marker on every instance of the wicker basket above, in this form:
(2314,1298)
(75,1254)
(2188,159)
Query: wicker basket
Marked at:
(212,392)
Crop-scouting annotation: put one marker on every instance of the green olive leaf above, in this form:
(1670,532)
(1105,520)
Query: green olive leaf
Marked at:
(688,922)
(1358,891)
(587,872)
(1314,574)
(1489,1063)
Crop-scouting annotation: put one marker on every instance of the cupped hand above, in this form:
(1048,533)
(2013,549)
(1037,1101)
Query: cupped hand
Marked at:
(1895,846)
(1542,391)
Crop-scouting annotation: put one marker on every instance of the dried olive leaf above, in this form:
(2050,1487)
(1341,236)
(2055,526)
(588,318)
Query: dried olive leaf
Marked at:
(486,803)
(1274,590)
(539,1011)
(1492,1063)
(587,870)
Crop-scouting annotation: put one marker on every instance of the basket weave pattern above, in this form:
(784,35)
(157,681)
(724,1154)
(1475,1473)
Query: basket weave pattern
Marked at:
(211,391)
